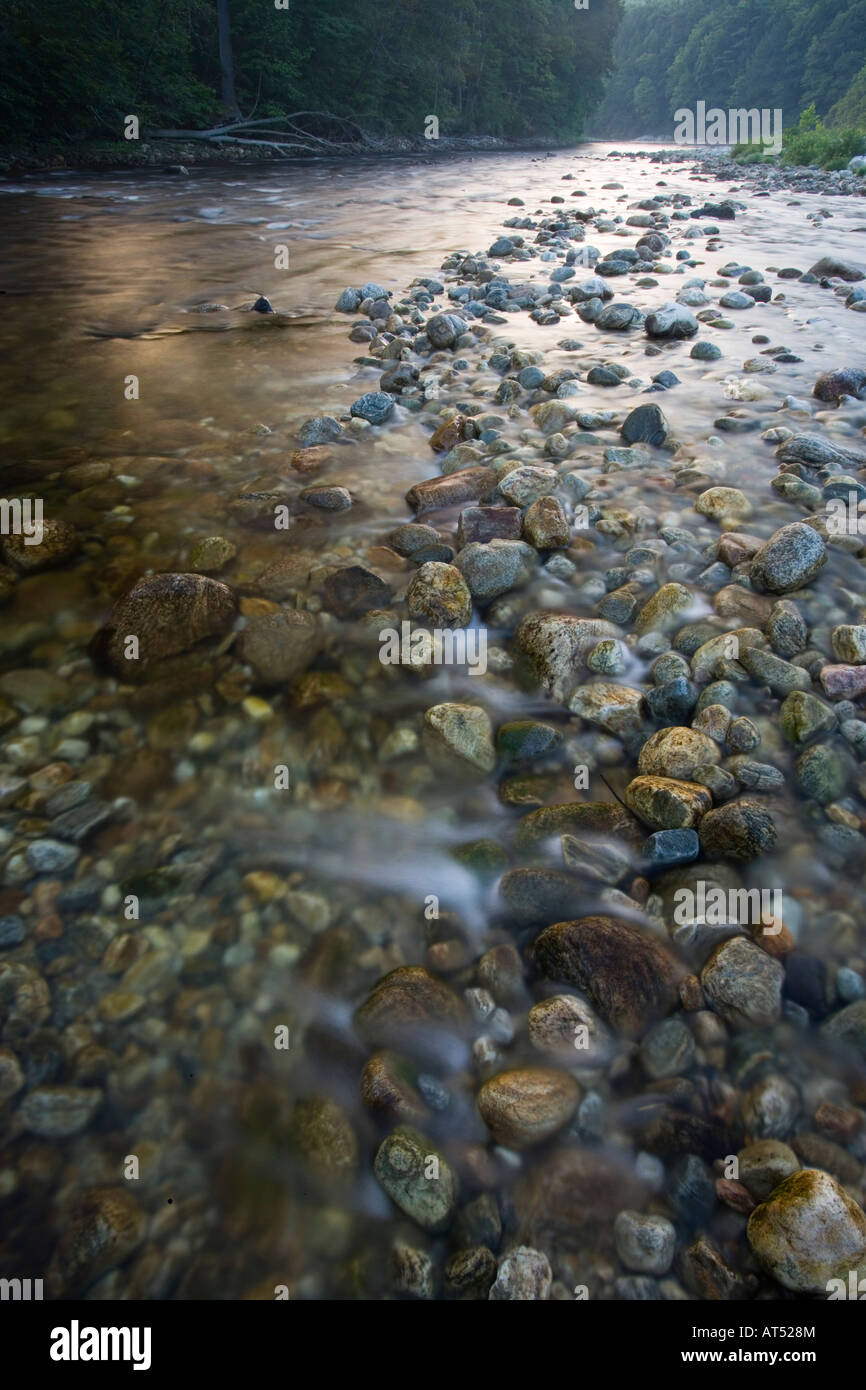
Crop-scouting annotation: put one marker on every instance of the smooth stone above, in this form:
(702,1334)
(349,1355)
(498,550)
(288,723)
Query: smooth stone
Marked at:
(630,977)
(401,1165)
(743,984)
(524,1275)
(807,1232)
(410,1010)
(459,733)
(738,830)
(280,646)
(789,559)
(645,1244)
(527,1105)
(103,1227)
(553,646)
(169,614)
(439,594)
(676,752)
(666,803)
(495,567)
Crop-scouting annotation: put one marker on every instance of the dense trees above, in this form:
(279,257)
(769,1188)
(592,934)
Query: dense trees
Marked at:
(733,53)
(72,71)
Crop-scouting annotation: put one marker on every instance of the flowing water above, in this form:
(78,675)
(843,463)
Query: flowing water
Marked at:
(281,909)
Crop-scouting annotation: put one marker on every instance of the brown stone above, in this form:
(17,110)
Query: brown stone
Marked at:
(630,977)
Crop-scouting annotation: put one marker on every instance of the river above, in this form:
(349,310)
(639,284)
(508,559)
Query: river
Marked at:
(185,1034)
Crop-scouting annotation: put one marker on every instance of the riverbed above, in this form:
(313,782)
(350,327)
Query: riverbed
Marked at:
(250,847)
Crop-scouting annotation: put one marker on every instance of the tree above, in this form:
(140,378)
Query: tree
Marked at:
(227,66)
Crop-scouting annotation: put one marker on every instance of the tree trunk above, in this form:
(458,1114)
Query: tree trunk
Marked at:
(227,67)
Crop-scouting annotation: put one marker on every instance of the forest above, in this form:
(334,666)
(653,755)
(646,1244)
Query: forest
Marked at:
(790,54)
(493,67)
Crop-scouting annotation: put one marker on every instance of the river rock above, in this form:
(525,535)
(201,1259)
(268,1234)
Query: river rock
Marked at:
(459,734)
(618,709)
(524,1276)
(280,646)
(597,818)
(764,1165)
(808,1231)
(567,1030)
(388,1088)
(630,977)
(540,896)
(849,643)
(676,752)
(671,321)
(645,1244)
(744,984)
(843,682)
(790,559)
(351,592)
(834,268)
(569,1199)
(408,539)
(56,1112)
(426,1191)
(443,330)
(527,1105)
(489,524)
(646,424)
(322,429)
(58,543)
(666,803)
(468,485)
(321,1132)
(496,567)
(169,614)
(802,716)
(439,595)
(409,1010)
(844,381)
(373,406)
(327,499)
(212,554)
(553,648)
(526,484)
(666,610)
(738,830)
(545,525)
(104,1226)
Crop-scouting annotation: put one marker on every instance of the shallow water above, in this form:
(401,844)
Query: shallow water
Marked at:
(103,275)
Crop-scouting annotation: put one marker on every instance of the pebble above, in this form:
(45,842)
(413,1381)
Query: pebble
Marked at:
(645,1244)
(629,976)
(743,984)
(523,1275)
(527,1105)
(807,1232)
(417,1178)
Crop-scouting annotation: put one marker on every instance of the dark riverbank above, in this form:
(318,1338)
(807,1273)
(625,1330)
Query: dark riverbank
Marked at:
(109,156)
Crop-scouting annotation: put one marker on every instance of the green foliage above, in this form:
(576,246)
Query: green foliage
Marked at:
(809,142)
(851,109)
(769,54)
(72,71)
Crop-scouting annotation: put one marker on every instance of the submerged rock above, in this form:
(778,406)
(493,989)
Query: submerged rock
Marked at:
(459,736)
(409,1009)
(417,1178)
(103,1228)
(790,559)
(167,614)
(808,1232)
(630,976)
(525,1106)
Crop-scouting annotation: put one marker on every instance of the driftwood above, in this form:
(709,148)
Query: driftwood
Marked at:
(284,134)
